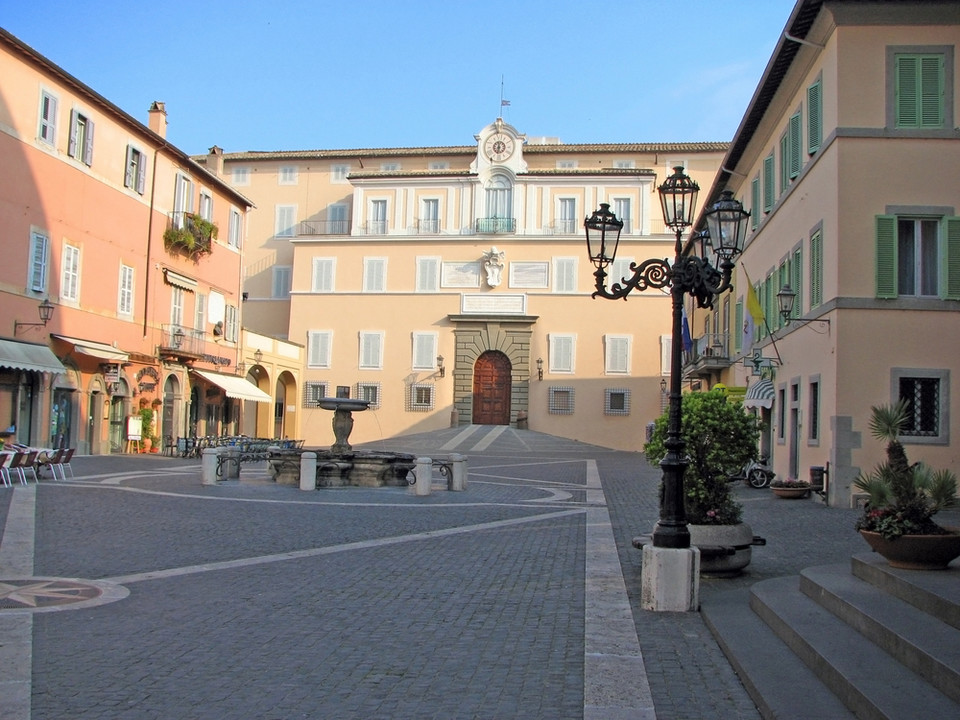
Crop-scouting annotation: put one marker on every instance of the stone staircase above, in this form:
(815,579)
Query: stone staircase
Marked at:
(853,640)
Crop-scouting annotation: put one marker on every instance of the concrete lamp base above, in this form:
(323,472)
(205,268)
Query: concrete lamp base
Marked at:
(670,581)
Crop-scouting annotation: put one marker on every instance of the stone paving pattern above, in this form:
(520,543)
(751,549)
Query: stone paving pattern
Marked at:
(457,605)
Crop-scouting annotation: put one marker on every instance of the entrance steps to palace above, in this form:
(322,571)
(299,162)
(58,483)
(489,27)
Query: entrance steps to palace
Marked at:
(851,640)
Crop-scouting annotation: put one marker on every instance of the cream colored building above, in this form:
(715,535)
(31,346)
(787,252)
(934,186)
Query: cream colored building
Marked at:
(849,158)
(382,261)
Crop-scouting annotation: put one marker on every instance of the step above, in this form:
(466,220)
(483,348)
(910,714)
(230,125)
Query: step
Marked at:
(915,639)
(867,680)
(763,662)
(935,592)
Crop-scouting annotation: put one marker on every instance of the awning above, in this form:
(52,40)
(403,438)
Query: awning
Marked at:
(760,394)
(235,387)
(26,356)
(94,349)
(180,281)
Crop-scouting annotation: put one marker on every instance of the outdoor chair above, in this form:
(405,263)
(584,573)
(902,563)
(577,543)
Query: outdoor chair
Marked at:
(29,464)
(16,465)
(4,470)
(64,464)
(169,445)
(52,463)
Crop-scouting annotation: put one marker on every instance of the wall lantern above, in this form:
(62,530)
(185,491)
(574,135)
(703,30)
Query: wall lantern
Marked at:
(46,312)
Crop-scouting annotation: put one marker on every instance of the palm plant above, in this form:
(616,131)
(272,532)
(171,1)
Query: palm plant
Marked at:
(902,498)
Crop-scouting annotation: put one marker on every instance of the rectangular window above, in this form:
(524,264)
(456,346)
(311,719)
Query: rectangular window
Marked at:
(917,265)
(814,117)
(135,174)
(813,421)
(176,306)
(338,173)
(616,401)
(562,353)
(374,275)
(622,208)
(313,392)
(319,345)
(919,90)
(565,274)
(324,272)
(288,175)
(421,397)
(182,199)
(240,175)
(371,350)
(206,205)
(285,221)
(125,297)
(429,216)
(39,247)
(923,406)
(199,311)
(369,392)
(617,354)
(917,256)
(81,138)
(389,167)
(70,274)
(567,222)
(561,401)
(439,165)
(816,269)
(624,164)
(378,217)
(428,274)
(424,351)
(231,324)
(235,235)
(48,118)
(768,196)
(567,165)
(281,282)
(782,415)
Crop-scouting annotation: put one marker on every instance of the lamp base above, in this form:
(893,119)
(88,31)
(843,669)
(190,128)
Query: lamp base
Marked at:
(670,580)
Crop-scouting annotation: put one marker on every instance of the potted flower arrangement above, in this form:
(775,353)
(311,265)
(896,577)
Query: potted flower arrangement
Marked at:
(790,488)
(720,439)
(194,237)
(902,500)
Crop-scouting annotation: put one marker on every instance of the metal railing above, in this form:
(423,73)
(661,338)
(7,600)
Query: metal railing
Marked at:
(182,339)
(489,226)
(430,226)
(324,227)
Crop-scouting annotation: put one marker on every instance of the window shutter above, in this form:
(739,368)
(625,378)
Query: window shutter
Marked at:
(755,202)
(950,284)
(323,269)
(561,353)
(618,354)
(886,260)
(427,274)
(906,91)
(424,351)
(768,183)
(319,349)
(74,128)
(796,281)
(88,144)
(816,269)
(128,178)
(784,162)
(38,261)
(142,174)
(814,117)
(48,125)
(931,91)
(369,350)
(796,141)
(738,324)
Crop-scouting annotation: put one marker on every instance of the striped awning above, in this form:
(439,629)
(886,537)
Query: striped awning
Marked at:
(99,350)
(27,356)
(760,394)
(235,387)
(178,280)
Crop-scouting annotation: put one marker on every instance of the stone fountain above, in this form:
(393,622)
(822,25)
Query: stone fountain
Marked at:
(341,465)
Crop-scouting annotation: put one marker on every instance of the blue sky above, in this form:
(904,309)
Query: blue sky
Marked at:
(293,74)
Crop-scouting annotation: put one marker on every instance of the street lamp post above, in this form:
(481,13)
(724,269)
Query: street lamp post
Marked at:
(670,565)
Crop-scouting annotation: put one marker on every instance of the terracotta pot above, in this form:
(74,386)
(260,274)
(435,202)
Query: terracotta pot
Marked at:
(791,492)
(916,552)
(713,540)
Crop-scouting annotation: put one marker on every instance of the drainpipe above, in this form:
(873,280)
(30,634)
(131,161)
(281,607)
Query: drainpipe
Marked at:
(146,280)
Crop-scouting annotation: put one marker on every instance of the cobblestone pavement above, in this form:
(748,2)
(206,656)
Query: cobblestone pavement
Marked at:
(136,592)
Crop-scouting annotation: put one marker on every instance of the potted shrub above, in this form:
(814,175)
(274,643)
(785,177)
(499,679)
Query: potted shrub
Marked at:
(897,519)
(790,488)
(720,439)
(194,238)
(146,429)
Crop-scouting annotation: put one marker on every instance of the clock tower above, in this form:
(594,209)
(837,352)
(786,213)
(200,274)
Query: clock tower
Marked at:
(499,145)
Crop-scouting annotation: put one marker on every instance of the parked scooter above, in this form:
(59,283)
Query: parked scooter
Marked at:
(756,473)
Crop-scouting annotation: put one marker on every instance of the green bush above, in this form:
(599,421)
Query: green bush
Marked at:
(720,439)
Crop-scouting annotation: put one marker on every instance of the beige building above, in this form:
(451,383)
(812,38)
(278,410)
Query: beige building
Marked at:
(849,158)
(451,285)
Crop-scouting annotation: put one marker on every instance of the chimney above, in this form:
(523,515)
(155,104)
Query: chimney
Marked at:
(158,119)
(215,161)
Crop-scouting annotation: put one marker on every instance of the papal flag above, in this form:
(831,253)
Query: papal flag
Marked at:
(752,318)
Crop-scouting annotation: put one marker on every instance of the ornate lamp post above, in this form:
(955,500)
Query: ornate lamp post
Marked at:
(687,274)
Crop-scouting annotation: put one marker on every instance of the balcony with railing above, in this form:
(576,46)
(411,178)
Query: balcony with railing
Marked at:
(180,341)
(427,226)
(374,227)
(323,227)
(710,353)
(496,226)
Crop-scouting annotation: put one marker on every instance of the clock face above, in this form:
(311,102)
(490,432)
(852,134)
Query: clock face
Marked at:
(498,146)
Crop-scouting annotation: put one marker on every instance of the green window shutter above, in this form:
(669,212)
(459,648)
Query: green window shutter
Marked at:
(886,269)
(814,117)
(931,91)
(950,259)
(796,282)
(918,91)
(768,183)
(738,326)
(795,139)
(784,163)
(755,202)
(816,269)
(906,91)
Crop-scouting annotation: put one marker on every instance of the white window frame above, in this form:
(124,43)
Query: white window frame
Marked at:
(390,167)
(567,222)
(338,218)
(125,291)
(231,323)
(281,282)
(624,164)
(285,221)
(205,209)
(619,269)
(135,170)
(70,273)
(319,348)
(429,220)
(439,165)
(288,175)
(424,350)
(617,354)
(623,209)
(379,216)
(428,273)
(80,146)
(176,306)
(562,267)
(182,199)
(199,311)
(370,355)
(374,274)
(339,173)
(235,235)
(240,175)
(566,164)
(563,353)
(328,267)
(39,261)
(47,118)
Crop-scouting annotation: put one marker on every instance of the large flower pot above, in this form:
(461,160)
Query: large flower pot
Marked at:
(916,552)
(791,493)
(724,549)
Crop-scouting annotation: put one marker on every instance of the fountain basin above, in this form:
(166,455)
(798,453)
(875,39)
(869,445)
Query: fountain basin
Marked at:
(359,468)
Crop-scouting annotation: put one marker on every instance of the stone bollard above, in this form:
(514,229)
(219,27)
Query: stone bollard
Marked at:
(458,472)
(424,475)
(208,466)
(231,463)
(308,471)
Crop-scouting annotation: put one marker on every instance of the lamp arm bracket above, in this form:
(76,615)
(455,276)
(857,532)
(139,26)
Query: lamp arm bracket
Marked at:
(652,273)
(700,279)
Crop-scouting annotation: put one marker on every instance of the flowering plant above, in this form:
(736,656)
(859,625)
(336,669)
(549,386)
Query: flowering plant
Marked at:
(790,483)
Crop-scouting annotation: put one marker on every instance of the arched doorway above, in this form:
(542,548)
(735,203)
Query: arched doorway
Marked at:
(118,416)
(491,389)
(171,392)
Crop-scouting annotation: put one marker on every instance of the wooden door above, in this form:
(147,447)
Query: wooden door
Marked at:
(491,389)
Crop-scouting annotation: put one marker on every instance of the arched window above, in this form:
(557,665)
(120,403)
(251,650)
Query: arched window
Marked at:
(499,197)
